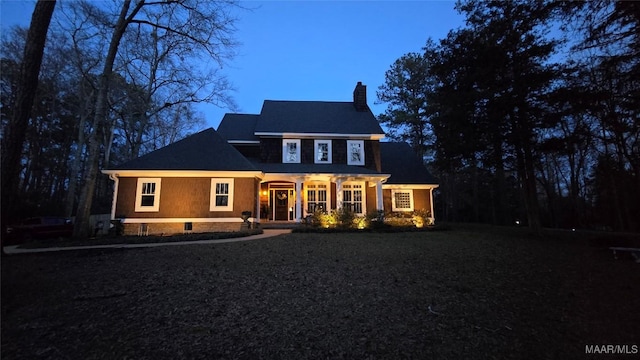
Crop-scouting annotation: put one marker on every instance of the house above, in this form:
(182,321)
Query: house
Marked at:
(292,159)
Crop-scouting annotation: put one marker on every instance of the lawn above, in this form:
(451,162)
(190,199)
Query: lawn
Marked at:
(471,292)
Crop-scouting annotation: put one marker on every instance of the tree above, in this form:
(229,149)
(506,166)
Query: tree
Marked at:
(15,131)
(605,57)
(405,90)
(205,25)
(499,105)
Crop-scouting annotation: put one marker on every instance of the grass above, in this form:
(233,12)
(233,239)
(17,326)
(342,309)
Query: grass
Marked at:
(107,240)
(473,292)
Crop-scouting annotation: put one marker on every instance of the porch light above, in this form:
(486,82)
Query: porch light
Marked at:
(264,192)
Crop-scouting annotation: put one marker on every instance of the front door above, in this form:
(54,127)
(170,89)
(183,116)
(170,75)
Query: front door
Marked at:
(281,204)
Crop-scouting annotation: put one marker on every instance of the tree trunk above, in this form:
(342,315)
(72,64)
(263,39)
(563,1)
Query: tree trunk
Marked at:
(14,136)
(530,190)
(82,228)
(501,186)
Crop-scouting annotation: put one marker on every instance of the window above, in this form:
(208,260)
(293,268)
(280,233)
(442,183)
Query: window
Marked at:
(352,198)
(148,194)
(402,200)
(316,197)
(322,151)
(221,195)
(290,151)
(355,152)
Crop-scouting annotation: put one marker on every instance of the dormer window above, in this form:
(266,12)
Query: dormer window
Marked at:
(322,151)
(291,151)
(355,152)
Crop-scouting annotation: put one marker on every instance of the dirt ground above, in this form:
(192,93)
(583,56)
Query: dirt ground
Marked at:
(474,292)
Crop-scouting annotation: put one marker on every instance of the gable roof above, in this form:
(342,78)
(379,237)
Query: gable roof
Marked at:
(405,167)
(205,150)
(238,127)
(316,117)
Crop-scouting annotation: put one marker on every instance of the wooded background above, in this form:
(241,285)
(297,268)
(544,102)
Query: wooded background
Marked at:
(529,112)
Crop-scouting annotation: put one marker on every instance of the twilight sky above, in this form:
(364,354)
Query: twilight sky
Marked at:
(312,50)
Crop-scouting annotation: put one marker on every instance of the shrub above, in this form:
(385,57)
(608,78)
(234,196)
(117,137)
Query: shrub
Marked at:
(375,219)
(417,218)
(341,218)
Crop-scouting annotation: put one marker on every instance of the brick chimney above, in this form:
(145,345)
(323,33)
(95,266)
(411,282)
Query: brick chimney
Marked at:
(360,97)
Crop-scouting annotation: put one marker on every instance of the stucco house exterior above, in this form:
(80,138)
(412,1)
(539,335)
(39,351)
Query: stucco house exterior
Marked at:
(292,159)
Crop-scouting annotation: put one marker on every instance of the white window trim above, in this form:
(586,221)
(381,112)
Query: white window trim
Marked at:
(212,199)
(284,151)
(393,199)
(363,188)
(306,199)
(351,142)
(156,200)
(316,144)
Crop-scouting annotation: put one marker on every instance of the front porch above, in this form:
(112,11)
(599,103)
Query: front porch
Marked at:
(291,198)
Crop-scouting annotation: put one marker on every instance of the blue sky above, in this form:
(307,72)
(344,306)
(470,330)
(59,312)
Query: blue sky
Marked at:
(313,50)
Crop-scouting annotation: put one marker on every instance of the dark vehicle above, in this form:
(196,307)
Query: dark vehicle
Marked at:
(39,228)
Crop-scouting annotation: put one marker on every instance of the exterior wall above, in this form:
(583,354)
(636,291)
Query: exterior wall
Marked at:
(421,199)
(386,200)
(307,151)
(186,198)
(250,151)
(371,197)
(339,151)
(372,155)
(271,152)
(178,228)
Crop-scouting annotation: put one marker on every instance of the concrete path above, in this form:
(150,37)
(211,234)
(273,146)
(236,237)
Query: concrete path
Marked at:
(10,250)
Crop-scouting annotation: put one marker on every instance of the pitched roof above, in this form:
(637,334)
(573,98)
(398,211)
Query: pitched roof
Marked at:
(238,127)
(405,167)
(316,117)
(205,150)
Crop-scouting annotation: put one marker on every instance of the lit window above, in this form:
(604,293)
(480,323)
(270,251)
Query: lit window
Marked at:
(290,151)
(221,195)
(323,151)
(355,152)
(353,198)
(402,200)
(148,194)
(316,197)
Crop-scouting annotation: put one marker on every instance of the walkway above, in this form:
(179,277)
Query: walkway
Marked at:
(10,250)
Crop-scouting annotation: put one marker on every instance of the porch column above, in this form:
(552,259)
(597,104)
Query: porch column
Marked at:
(257,217)
(114,200)
(298,200)
(339,193)
(379,202)
(433,211)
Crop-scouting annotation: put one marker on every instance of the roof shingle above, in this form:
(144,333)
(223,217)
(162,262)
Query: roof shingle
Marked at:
(238,127)
(205,150)
(405,167)
(319,117)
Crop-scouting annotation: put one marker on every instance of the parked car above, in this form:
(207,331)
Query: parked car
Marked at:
(45,227)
